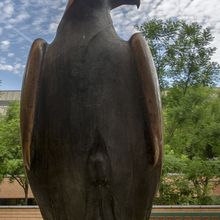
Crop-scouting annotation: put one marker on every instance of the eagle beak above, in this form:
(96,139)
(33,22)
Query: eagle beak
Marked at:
(117,3)
(138,2)
(70,2)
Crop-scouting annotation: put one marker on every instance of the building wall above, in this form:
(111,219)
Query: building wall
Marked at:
(12,190)
(6,97)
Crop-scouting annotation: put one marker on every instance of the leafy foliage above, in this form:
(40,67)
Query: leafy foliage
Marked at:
(11,163)
(186,181)
(193,121)
(182,55)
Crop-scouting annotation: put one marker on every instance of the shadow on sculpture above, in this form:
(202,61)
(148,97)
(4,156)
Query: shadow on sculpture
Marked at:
(91,119)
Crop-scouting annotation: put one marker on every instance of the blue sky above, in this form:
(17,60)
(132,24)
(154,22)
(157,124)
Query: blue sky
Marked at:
(22,21)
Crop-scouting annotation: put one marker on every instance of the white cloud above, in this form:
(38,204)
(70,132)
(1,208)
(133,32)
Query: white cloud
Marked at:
(19,18)
(8,9)
(204,12)
(11,54)
(53,28)
(16,68)
(4,45)
(6,67)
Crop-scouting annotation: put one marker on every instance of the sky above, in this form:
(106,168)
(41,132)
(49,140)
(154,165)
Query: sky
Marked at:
(22,21)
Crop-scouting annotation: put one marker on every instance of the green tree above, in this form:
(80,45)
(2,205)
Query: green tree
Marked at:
(11,163)
(175,188)
(199,173)
(193,122)
(187,182)
(197,136)
(182,53)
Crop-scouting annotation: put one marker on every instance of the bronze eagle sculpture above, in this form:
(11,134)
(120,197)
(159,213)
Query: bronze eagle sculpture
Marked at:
(91,122)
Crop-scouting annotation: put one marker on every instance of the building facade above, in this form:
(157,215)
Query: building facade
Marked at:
(6,97)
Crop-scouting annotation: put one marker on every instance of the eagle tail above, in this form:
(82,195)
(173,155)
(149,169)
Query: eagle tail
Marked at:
(100,201)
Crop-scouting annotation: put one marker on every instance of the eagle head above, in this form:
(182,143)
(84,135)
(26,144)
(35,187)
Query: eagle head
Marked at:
(117,3)
(112,3)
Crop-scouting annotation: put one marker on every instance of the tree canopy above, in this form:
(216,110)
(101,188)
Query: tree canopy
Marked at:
(183,58)
(182,53)
(11,162)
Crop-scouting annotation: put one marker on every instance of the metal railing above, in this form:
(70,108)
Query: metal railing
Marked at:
(185,216)
(185,213)
(158,212)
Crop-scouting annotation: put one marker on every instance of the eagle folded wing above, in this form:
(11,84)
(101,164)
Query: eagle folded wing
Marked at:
(151,94)
(29,96)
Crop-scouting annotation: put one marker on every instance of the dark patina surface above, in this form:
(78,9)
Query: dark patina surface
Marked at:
(91,155)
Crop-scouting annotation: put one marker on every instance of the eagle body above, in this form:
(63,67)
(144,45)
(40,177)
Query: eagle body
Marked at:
(89,153)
